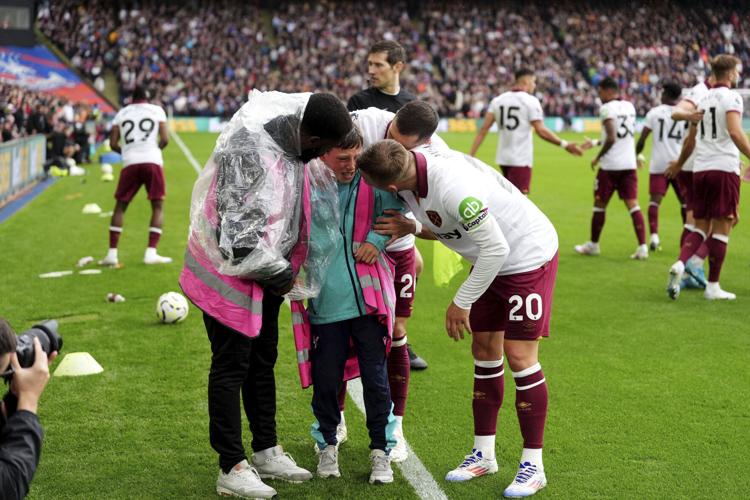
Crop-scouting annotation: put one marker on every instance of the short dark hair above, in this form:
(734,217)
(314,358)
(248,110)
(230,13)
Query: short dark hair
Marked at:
(396,52)
(417,118)
(385,161)
(523,72)
(352,140)
(722,64)
(609,83)
(671,90)
(140,93)
(7,338)
(326,116)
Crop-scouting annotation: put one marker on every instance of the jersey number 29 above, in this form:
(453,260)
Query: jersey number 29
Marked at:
(146,126)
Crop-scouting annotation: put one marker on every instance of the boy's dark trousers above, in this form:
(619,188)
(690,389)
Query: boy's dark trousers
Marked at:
(330,348)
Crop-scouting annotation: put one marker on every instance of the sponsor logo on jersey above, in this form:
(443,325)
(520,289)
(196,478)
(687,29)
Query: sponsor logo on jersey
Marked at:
(453,235)
(469,208)
(477,220)
(435,218)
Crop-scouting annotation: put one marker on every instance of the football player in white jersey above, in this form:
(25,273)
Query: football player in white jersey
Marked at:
(682,169)
(413,125)
(716,176)
(143,130)
(506,301)
(516,113)
(617,164)
(668,135)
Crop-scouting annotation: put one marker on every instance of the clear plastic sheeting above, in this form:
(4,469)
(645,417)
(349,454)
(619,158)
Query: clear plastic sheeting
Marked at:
(325,234)
(247,208)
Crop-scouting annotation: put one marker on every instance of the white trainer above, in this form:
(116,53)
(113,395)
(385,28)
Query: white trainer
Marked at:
(641,253)
(655,244)
(588,248)
(108,261)
(529,479)
(151,257)
(474,465)
(714,292)
(675,278)
(399,453)
(380,471)
(243,481)
(273,463)
(328,462)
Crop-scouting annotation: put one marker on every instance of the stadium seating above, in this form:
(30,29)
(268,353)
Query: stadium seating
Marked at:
(205,56)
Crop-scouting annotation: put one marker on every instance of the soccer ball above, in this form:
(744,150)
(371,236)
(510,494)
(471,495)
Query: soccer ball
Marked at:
(172,308)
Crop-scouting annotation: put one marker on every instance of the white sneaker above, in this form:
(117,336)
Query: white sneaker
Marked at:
(641,253)
(474,465)
(151,257)
(243,481)
(273,463)
(108,261)
(399,453)
(714,292)
(588,248)
(529,479)
(380,472)
(655,244)
(328,462)
(675,277)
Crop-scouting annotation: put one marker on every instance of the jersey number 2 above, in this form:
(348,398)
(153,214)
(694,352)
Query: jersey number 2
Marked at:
(533,307)
(146,126)
(405,291)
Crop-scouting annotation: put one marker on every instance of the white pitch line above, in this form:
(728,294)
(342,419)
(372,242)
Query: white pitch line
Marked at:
(186,151)
(412,468)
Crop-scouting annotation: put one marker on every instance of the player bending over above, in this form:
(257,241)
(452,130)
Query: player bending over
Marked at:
(517,112)
(506,301)
(617,164)
(144,134)
(413,125)
(716,176)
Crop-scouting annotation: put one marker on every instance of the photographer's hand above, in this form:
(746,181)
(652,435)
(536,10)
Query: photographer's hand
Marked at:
(28,383)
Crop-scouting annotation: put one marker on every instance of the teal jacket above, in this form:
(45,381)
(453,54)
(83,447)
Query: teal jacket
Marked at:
(340,296)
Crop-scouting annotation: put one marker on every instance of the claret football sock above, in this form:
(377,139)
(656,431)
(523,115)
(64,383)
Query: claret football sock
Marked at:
(398,375)
(531,404)
(488,398)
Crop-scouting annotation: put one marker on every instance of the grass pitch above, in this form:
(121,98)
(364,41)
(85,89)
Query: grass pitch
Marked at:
(648,397)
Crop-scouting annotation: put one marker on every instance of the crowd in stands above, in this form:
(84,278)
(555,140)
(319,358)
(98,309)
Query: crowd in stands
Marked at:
(204,56)
(68,126)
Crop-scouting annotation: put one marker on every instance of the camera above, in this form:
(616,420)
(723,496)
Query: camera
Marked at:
(48,337)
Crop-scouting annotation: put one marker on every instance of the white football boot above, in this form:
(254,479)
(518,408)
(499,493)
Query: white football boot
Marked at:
(243,481)
(474,465)
(111,259)
(714,292)
(529,479)
(675,277)
(641,253)
(328,462)
(151,257)
(588,248)
(655,244)
(380,470)
(273,463)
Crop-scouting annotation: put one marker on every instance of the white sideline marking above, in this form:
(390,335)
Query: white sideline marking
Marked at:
(412,468)
(191,159)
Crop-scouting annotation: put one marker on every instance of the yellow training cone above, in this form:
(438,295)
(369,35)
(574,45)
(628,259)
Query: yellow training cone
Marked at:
(76,364)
